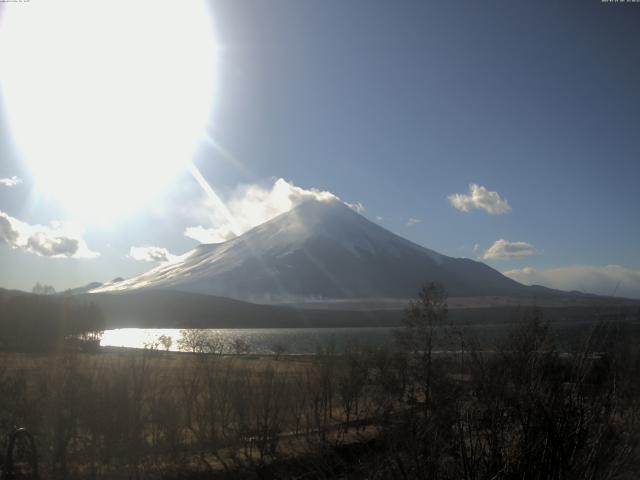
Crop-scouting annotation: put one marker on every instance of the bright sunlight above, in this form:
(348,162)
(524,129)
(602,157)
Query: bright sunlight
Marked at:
(106,101)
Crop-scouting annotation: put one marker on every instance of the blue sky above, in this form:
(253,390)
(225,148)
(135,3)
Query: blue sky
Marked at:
(398,106)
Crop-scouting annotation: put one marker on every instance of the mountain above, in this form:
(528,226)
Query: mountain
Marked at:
(321,250)
(90,286)
(84,289)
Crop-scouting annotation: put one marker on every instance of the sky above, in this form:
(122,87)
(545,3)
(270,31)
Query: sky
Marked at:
(502,131)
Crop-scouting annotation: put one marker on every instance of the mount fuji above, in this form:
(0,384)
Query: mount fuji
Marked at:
(318,251)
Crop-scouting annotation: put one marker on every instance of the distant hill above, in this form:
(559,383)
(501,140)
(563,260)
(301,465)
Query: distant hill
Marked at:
(90,286)
(83,289)
(171,309)
(44,322)
(319,251)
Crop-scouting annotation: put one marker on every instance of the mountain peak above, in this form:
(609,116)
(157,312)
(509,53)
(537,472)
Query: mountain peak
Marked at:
(315,213)
(332,206)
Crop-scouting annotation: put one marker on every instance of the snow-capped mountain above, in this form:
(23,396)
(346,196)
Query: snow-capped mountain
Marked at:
(319,250)
(91,286)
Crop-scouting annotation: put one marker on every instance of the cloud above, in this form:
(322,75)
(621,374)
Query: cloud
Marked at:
(8,234)
(357,207)
(476,247)
(151,254)
(10,181)
(379,218)
(413,221)
(56,241)
(252,205)
(505,250)
(209,235)
(46,245)
(481,198)
(585,278)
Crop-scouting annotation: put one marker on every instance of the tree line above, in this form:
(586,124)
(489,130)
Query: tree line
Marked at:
(44,322)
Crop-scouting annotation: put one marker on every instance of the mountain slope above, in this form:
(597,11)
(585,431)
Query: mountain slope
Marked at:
(320,250)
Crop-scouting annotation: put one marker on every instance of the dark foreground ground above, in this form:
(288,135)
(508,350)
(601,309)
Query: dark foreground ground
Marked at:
(522,409)
(550,391)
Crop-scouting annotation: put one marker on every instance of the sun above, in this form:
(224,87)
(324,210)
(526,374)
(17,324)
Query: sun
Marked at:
(106,100)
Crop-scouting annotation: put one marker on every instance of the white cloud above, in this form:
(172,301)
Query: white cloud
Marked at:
(9,235)
(10,181)
(151,254)
(209,235)
(57,240)
(476,247)
(356,206)
(413,221)
(379,218)
(505,250)
(252,205)
(481,198)
(47,245)
(585,278)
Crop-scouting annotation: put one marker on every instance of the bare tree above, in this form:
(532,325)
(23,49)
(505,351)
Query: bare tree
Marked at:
(43,289)
(278,350)
(166,341)
(420,322)
(240,346)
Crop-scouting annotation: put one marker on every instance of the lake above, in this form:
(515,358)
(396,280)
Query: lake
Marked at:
(260,340)
(296,340)
(567,334)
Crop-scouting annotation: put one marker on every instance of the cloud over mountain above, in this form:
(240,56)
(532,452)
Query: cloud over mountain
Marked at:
(356,207)
(151,254)
(480,198)
(252,205)
(57,240)
(209,235)
(504,250)
(605,280)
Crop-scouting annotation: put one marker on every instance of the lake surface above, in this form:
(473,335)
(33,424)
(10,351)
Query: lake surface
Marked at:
(259,340)
(307,340)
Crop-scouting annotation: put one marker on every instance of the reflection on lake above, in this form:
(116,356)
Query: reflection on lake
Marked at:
(307,340)
(259,340)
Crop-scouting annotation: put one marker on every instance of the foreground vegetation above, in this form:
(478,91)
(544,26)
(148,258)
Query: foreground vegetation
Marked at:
(521,410)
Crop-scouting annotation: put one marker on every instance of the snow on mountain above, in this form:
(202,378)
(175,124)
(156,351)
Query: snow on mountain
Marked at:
(319,250)
(91,287)
(84,289)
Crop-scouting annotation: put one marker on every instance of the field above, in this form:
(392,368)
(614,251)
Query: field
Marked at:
(522,409)
(118,414)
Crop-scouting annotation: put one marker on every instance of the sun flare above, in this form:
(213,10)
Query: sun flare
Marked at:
(106,101)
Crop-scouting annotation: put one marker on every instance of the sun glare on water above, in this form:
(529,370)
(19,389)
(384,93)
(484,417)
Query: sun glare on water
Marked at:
(106,100)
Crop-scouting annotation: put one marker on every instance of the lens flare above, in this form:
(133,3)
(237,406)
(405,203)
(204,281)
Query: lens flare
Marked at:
(106,100)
